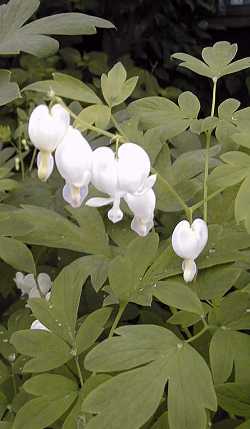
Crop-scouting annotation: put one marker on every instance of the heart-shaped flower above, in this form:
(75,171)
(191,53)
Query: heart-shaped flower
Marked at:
(188,242)
(74,163)
(46,130)
(119,175)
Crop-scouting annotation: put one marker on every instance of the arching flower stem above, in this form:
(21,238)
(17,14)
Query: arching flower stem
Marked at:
(208,143)
(86,124)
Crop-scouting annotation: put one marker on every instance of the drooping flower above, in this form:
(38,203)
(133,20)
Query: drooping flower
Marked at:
(46,130)
(38,326)
(188,242)
(142,206)
(34,289)
(74,162)
(117,176)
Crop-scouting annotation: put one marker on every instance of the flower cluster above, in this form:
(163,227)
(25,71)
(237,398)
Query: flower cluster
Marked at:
(121,175)
(124,175)
(39,288)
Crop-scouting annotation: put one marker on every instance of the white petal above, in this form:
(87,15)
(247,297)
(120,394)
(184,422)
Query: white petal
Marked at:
(104,171)
(142,226)
(47,129)
(25,283)
(99,202)
(34,293)
(45,164)
(74,158)
(133,167)
(200,227)
(48,296)
(142,206)
(148,184)
(38,325)
(74,196)
(189,270)
(188,241)
(115,214)
(44,283)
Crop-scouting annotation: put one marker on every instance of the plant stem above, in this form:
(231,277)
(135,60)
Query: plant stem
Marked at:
(118,127)
(33,159)
(21,156)
(122,307)
(200,203)
(13,379)
(79,371)
(87,125)
(208,142)
(205,329)
(188,210)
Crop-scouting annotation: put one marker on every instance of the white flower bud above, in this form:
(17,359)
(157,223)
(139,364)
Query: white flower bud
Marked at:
(29,286)
(188,242)
(74,163)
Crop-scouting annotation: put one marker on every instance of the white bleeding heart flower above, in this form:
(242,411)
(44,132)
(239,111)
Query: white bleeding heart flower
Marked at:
(128,172)
(38,326)
(188,242)
(142,207)
(34,289)
(46,130)
(74,163)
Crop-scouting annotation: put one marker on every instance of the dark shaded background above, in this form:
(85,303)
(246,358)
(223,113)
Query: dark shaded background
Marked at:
(148,32)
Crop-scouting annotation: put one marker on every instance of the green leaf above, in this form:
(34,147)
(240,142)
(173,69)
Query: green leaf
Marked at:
(228,348)
(215,282)
(224,176)
(91,329)
(178,294)
(31,38)
(126,272)
(217,61)
(236,158)
(76,418)
(234,398)
(130,406)
(60,313)
(46,349)
(114,86)
(193,64)
(233,311)
(65,86)
(36,225)
(4,372)
(42,412)
(242,138)
(221,357)
(227,108)
(164,358)
(52,386)
(124,352)
(189,104)
(162,422)
(91,223)
(154,112)
(199,126)
(9,91)
(97,114)
(242,204)
(16,254)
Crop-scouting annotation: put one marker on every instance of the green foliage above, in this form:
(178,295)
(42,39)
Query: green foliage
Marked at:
(32,37)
